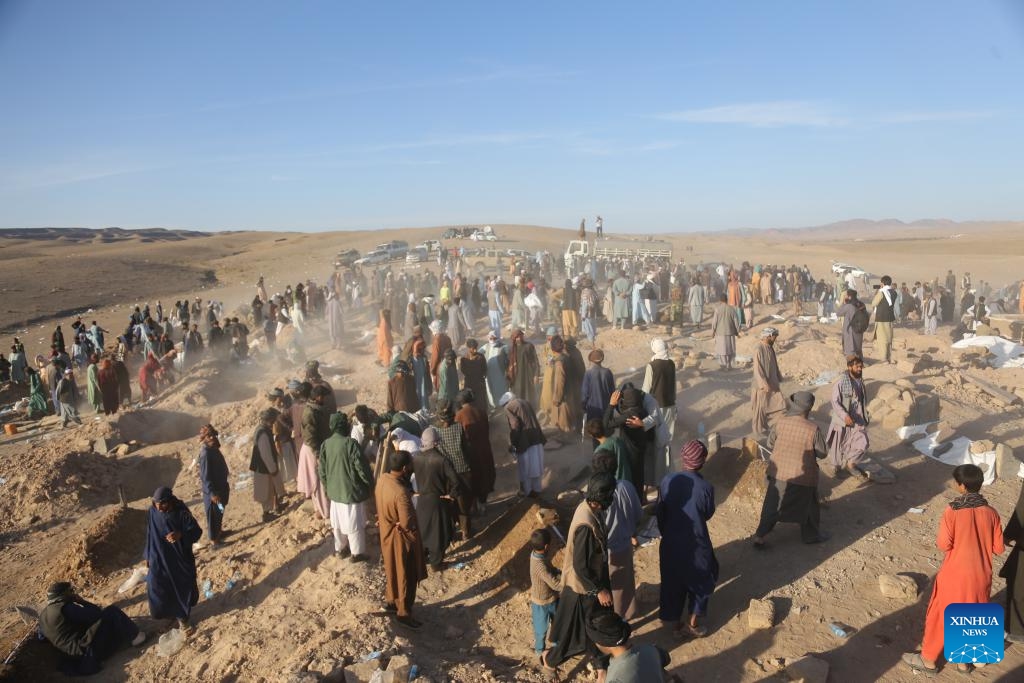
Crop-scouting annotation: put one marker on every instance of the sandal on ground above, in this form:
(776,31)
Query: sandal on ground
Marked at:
(550,673)
(914,661)
(856,473)
(691,631)
(966,671)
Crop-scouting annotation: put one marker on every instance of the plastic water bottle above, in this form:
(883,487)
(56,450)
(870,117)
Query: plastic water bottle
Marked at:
(700,430)
(208,589)
(220,506)
(170,643)
(838,629)
(414,672)
(233,581)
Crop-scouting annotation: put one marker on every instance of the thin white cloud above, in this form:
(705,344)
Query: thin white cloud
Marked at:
(69,174)
(466,139)
(927,116)
(526,74)
(810,114)
(761,115)
(605,148)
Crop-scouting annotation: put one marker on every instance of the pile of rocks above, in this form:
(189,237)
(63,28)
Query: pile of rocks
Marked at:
(897,405)
(910,363)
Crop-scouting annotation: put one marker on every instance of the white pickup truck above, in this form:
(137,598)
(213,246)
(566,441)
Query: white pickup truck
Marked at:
(583,250)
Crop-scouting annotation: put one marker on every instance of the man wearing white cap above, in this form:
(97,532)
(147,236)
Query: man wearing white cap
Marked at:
(526,442)
(660,382)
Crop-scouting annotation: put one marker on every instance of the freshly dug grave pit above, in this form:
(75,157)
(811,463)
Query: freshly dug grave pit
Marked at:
(158,426)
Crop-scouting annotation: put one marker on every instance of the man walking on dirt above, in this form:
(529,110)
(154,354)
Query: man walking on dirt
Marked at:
(848,433)
(792,494)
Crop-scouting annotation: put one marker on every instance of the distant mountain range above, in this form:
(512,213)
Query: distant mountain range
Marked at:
(101,235)
(888,227)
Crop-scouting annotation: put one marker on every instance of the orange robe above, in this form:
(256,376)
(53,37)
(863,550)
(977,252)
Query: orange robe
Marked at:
(384,342)
(438,347)
(400,545)
(735,298)
(969,537)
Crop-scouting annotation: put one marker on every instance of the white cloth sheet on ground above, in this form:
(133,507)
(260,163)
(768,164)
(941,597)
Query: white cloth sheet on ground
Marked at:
(960,454)
(1007,354)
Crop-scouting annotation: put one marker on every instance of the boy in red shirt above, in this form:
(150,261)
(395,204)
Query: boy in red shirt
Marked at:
(970,533)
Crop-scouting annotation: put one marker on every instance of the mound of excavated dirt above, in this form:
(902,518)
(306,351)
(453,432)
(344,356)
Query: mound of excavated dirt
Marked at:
(49,482)
(113,543)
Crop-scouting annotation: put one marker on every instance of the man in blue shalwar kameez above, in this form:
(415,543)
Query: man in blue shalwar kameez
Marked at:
(213,479)
(689,569)
(171,583)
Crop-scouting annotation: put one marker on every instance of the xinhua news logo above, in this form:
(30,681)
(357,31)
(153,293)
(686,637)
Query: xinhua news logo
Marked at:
(974,633)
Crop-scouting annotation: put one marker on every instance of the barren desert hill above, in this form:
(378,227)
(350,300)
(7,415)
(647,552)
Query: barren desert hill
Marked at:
(52,273)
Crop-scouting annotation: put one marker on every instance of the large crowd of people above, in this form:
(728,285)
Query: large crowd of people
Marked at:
(422,465)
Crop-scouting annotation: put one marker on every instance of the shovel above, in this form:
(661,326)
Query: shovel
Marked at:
(31,619)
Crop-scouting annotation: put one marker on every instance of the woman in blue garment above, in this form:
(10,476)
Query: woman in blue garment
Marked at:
(171,583)
(689,569)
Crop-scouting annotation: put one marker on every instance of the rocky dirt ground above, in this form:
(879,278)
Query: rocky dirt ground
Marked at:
(297,612)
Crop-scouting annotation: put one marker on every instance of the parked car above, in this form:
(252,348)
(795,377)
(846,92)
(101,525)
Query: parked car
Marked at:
(430,245)
(458,233)
(487,259)
(375,256)
(481,236)
(346,257)
(416,255)
(395,249)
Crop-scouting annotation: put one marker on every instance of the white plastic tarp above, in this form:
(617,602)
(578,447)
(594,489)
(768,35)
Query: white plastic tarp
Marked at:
(960,454)
(1007,354)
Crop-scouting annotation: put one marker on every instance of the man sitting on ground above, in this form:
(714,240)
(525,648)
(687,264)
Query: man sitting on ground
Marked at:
(83,631)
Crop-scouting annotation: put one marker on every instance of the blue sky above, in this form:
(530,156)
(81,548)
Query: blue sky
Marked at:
(658,115)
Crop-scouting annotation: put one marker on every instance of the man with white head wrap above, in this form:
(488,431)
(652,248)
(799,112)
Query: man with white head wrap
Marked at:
(660,383)
(438,483)
(496,354)
(526,442)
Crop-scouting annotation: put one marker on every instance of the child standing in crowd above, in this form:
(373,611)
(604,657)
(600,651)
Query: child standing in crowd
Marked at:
(970,533)
(545,585)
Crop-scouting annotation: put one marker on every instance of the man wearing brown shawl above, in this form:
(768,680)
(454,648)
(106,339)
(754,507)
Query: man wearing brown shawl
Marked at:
(478,435)
(400,546)
(766,398)
(523,368)
(561,410)
(439,346)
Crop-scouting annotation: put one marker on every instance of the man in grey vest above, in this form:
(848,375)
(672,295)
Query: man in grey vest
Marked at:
(885,314)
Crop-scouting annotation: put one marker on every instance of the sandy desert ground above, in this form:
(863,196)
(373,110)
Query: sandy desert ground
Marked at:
(300,613)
